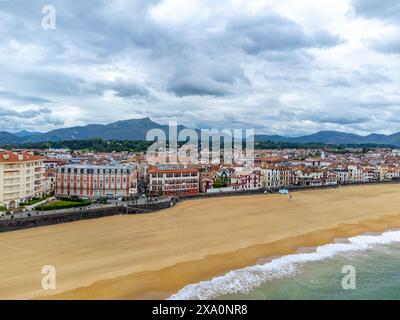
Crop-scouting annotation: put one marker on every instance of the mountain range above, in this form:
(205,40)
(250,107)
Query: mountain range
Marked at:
(336,138)
(136,129)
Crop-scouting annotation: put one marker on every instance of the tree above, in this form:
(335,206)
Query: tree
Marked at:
(218,183)
(221,182)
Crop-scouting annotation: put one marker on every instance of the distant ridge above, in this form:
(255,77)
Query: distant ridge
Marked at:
(136,129)
(25,133)
(336,137)
(6,137)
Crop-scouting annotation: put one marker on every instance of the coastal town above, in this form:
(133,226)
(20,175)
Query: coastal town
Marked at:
(40,180)
(197,158)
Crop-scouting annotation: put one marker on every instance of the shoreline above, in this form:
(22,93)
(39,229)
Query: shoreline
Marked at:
(154,256)
(120,288)
(67,216)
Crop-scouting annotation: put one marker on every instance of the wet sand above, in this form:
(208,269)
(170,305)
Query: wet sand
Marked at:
(154,255)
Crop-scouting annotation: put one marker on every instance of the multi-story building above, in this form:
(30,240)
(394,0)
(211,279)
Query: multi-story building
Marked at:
(383,171)
(311,177)
(169,182)
(368,174)
(355,174)
(22,176)
(343,176)
(91,181)
(53,163)
(206,183)
(284,176)
(329,178)
(313,162)
(275,177)
(50,181)
(61,154)
(246,181)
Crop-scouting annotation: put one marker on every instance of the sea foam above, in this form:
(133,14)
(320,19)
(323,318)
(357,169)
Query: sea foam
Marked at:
(242,281)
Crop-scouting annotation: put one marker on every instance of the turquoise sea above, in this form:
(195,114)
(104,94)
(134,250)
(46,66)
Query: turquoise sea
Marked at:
(374,262)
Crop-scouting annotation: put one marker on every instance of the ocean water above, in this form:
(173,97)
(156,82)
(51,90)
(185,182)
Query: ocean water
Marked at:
(314,275)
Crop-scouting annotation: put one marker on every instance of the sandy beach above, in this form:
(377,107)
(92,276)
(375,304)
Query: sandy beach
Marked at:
(155,255)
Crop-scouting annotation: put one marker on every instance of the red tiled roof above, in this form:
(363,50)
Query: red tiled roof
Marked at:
(270,159)
(11,157)
(173,170)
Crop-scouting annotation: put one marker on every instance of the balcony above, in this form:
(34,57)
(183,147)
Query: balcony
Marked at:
(11,174)
(11,193)
(10,198)
(11,187)
(11,167)
(11,183)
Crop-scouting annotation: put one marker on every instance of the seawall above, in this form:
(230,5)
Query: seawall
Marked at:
(83,214)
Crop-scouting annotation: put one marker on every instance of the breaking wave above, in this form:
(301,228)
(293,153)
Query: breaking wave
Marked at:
(242,281)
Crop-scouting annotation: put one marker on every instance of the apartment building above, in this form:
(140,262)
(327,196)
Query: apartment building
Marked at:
(50,181)
(310,177)
(383,172)
(92,181)
(355,174)
(393,173)
(170,182)
(60,154)
(275,177)
(329,178)
(53,163)
(246,181)
(343,176)
(22,176)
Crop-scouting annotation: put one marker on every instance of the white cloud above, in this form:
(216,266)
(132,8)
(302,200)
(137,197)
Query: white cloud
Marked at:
(283,67)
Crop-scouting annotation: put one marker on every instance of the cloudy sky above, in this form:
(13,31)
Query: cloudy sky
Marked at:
(286,67)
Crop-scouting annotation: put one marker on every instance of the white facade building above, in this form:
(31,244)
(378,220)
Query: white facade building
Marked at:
(22,176)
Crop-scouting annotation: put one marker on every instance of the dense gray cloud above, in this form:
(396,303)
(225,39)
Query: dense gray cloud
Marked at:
(198,85)
(390,46)
(199,75)
(386,9)
(23,114)
(275,33)
(21,98)
(275,67)
(365,75)
(120,87)
(127,89)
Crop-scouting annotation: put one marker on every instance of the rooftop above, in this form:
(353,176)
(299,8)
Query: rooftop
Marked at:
(114,166)
(13,157)
(174,170)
